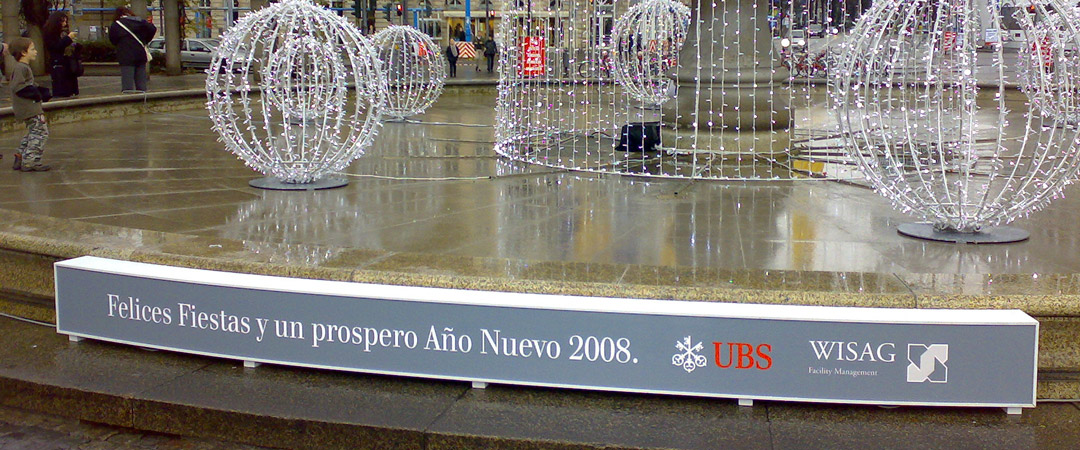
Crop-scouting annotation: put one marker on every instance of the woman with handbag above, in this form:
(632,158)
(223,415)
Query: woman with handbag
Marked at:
(130,34)
(65,65)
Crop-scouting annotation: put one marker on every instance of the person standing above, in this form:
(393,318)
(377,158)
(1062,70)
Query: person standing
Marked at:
(452,57)
(64,54)
(491,51)
(26,100)
(130,34)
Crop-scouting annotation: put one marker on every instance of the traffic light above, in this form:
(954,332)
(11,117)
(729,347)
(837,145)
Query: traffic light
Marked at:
(400,9)
(357,8)
(386,9)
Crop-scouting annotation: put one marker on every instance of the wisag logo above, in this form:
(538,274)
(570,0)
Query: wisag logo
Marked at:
(927,363)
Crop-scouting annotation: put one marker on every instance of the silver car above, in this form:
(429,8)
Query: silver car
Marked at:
(194,53)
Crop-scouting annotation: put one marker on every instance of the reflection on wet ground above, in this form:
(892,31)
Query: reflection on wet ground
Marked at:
(434,188)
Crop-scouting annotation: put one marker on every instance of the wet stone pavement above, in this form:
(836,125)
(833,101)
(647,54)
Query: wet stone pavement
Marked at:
(26,430)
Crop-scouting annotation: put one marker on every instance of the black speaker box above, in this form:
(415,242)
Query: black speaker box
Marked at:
(639,137)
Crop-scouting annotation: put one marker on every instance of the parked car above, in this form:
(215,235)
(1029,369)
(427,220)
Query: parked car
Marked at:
(194,53)
(795,39)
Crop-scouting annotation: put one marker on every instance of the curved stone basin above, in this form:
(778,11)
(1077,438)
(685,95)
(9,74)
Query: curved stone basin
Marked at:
(431,205)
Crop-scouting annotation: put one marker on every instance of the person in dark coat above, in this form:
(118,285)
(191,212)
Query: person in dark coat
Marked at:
(491,51)
(64,54)
(452,57)
(130,34)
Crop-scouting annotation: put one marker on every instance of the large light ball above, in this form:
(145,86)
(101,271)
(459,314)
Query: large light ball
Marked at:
(934,134)
(295,91)
(415,70)
(646,41)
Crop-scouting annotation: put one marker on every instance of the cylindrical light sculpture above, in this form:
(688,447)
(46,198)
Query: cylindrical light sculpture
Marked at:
(919,118)
(1047,70)
(415,70)
(295,92)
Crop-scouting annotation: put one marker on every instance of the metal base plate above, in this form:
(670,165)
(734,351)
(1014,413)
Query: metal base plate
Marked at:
(278,185)
(995,235)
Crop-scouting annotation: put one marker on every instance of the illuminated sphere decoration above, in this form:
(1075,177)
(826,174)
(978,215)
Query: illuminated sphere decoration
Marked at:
(415,70)
(1048,71)
(646,41)
(295,92)
(925,118)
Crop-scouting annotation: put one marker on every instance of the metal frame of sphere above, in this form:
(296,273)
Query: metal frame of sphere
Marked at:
(415,70)
(926,135)
(295,92)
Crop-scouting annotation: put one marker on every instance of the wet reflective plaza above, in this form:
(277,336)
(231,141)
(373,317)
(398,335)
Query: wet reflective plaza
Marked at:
(437,187)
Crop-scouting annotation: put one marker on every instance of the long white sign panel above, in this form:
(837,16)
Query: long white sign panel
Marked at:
(826,354)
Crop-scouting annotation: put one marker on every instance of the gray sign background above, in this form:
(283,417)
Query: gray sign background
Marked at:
(988,365)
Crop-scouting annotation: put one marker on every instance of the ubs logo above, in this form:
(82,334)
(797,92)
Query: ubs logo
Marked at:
(742,355)
(689,358)
(927,363)
(739,355)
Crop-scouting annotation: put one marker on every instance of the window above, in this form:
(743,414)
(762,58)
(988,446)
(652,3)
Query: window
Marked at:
(196,46)
(156,44)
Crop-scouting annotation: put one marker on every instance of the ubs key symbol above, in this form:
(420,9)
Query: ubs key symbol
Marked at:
(689,359)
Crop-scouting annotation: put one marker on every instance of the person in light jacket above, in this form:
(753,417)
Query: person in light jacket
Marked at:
(130,34)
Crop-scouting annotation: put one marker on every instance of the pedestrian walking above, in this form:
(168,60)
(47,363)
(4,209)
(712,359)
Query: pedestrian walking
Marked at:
(130,34)
(26,99)
(65,64)
(452,57)
(491,51)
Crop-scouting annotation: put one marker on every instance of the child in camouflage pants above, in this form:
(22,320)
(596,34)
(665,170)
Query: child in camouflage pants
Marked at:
(26,103)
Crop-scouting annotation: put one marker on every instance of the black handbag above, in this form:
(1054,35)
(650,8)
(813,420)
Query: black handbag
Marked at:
(74,60)
(75,66)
